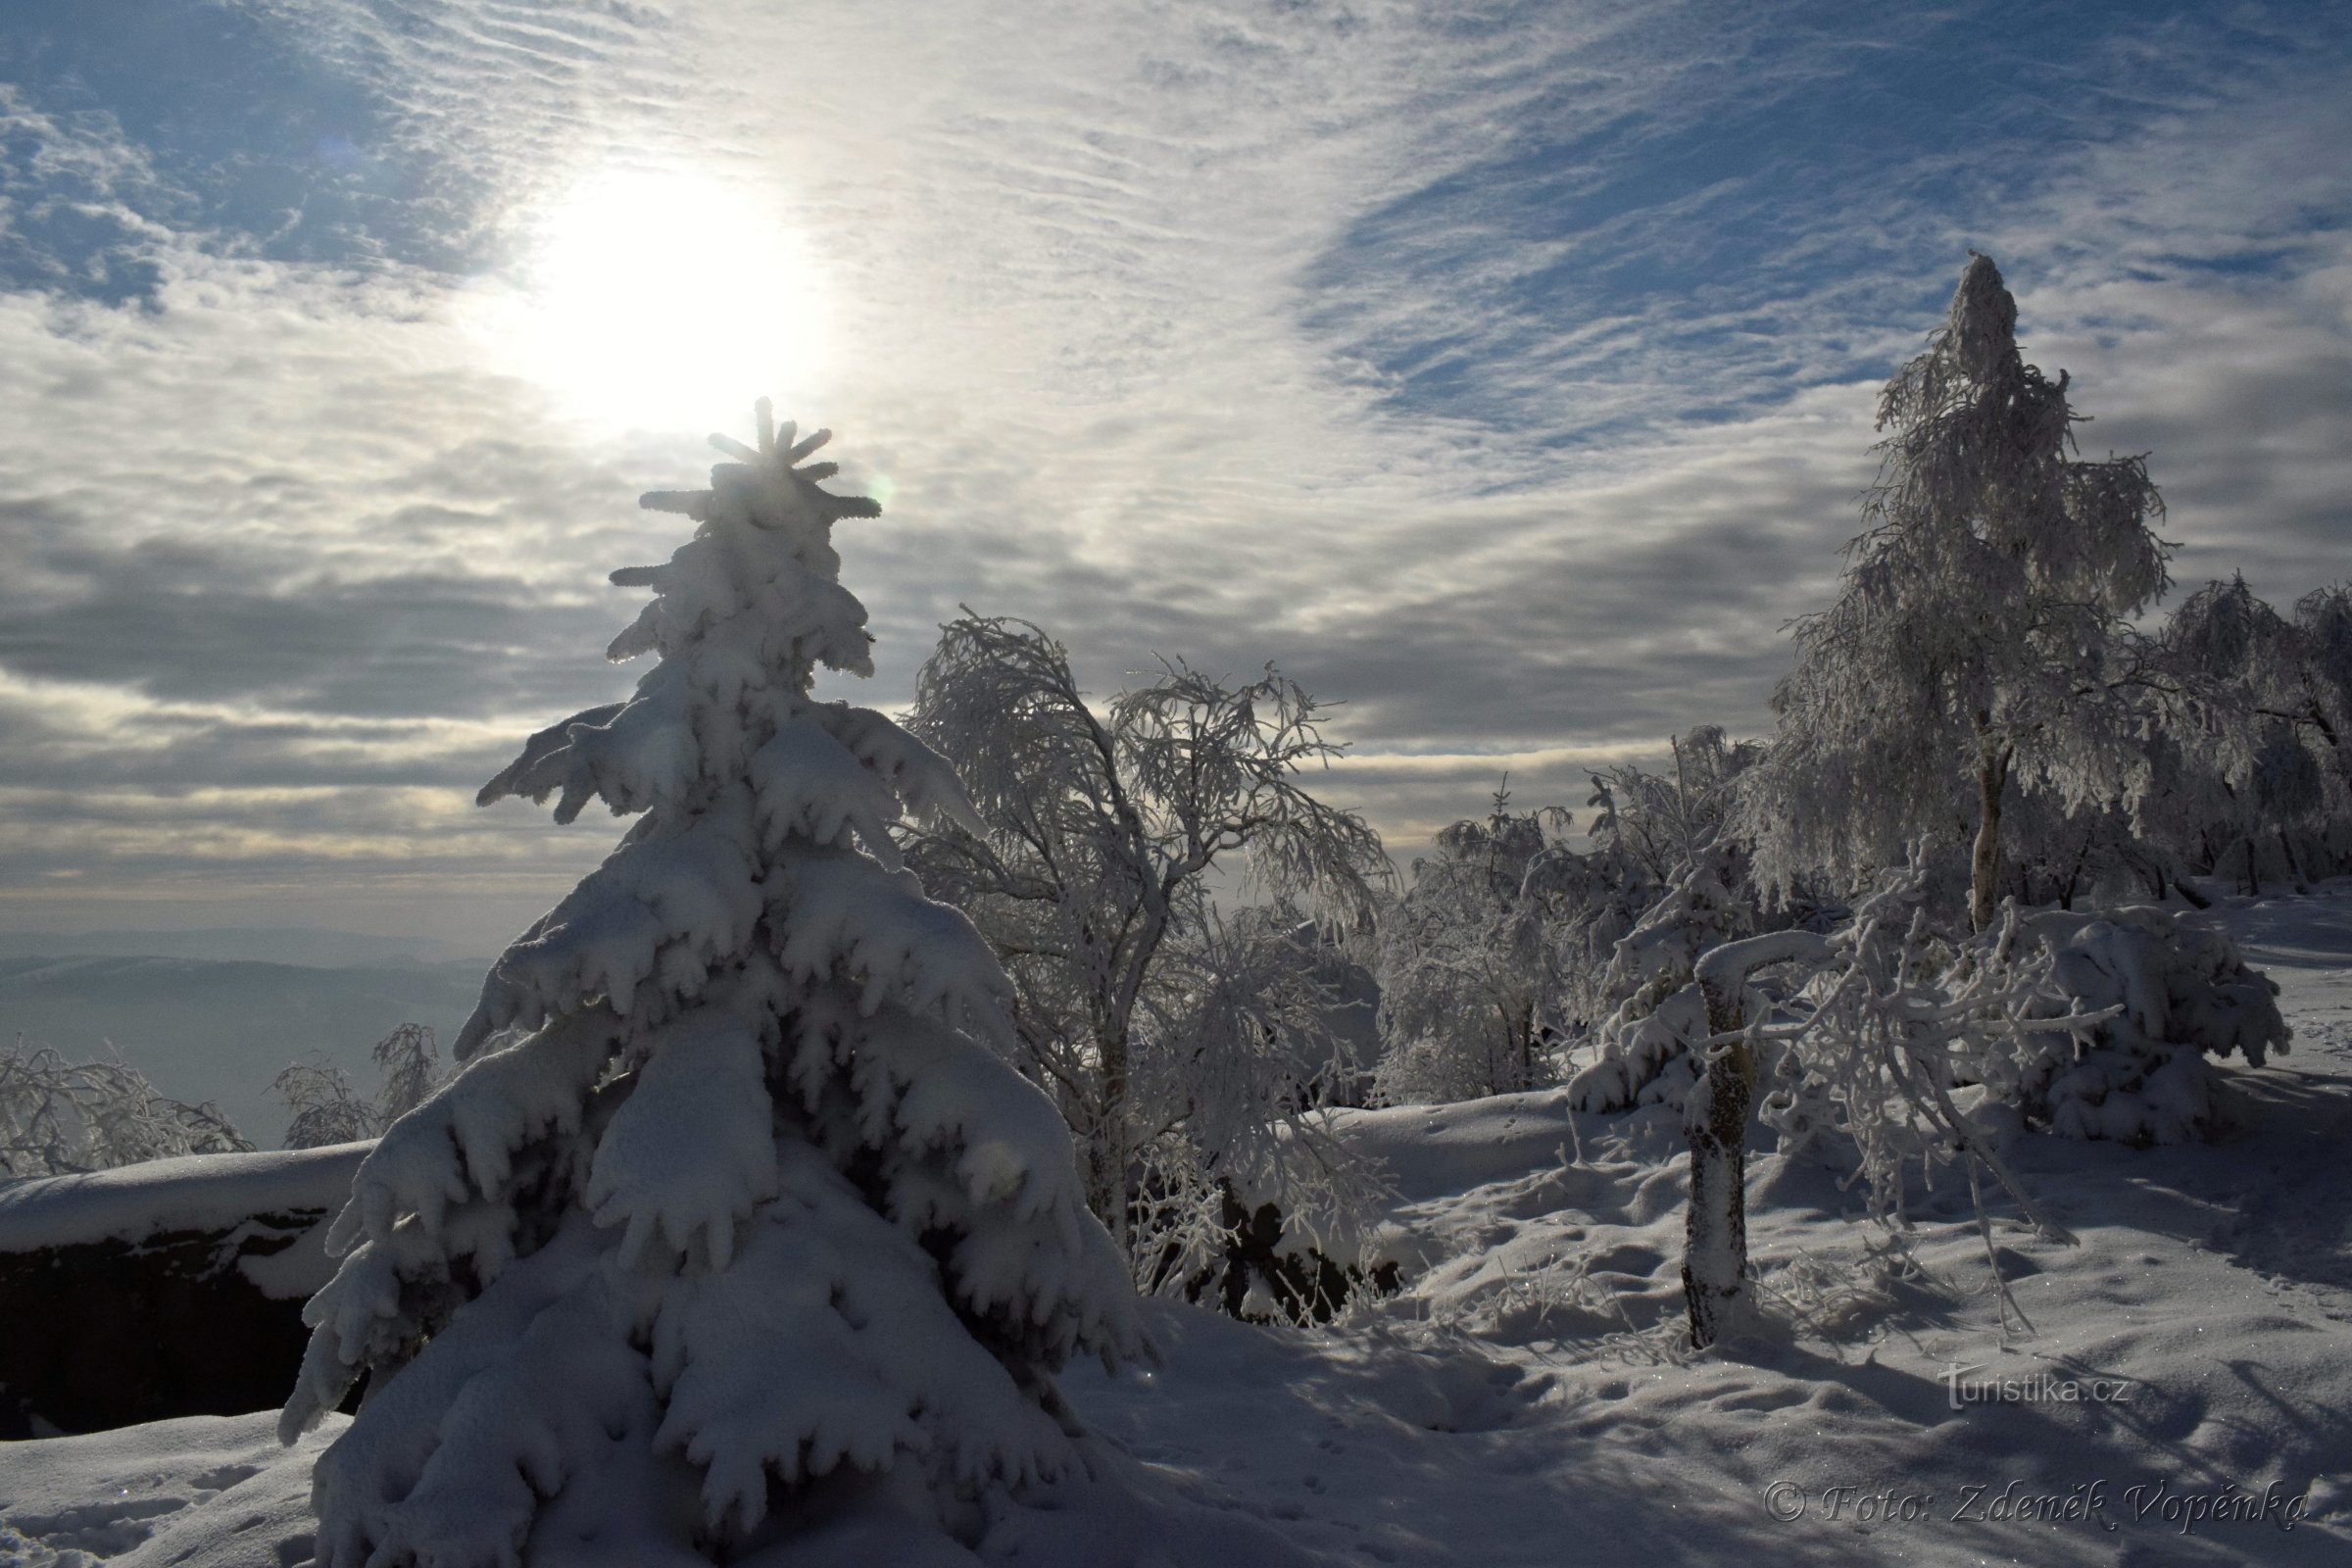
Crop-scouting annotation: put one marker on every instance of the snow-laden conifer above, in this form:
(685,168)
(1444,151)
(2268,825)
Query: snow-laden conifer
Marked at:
(1974,649)
(729,1222)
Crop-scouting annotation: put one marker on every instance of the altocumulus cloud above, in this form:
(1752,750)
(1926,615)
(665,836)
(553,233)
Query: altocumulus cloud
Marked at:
(1506,375)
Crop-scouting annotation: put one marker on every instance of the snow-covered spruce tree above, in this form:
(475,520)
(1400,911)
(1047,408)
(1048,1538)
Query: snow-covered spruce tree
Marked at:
(1977,642)
(729,1230)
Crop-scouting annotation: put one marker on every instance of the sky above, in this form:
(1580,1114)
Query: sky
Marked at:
(1504,373)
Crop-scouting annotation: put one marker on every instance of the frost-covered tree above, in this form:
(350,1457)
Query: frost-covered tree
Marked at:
(1469,961)
(1884,1026)
(1682,830)
(1979,637)
(1248,1024)
(327,1109)
(1644,1043)
(1921,1051)
(1661,820)
(2247,748)
(2325,617)
(730,1228)
(1089,869)
(60,1117)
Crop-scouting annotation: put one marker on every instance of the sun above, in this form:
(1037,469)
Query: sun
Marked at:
(660,300)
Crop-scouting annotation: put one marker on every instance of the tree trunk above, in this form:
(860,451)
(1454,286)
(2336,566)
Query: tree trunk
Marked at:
(1715,1225)
(1993,778)
(1107,1155)
(1715,1228)
(2294,866)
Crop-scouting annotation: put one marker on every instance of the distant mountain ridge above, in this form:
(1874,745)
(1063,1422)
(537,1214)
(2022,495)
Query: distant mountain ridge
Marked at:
(222,1029)
(308,947)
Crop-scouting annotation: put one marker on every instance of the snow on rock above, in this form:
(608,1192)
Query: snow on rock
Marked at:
(199,1191)
(166,1289)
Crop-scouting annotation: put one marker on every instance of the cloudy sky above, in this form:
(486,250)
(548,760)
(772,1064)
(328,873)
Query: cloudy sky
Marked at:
(1502,371)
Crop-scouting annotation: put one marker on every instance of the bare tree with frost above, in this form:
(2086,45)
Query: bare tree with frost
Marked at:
(2252,718)
(1662,820)
(1978,642)
(731,1229)
(1885,1025)
(327,1109)
(1088,868)
(60,1117)
(1922,1053)
(1469,961)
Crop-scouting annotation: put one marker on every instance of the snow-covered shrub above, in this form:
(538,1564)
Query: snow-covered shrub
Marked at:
(2180,992)
(1180,1048)
(58,1117)
(746,1229)
(328,1110)
(1920,1051)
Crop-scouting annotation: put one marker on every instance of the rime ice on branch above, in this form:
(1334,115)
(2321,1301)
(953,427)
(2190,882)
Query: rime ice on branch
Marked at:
(729,1225)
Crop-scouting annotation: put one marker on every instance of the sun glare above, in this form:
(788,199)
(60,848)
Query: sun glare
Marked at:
(655,301)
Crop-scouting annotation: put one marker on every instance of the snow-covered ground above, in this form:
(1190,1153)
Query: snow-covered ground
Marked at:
(2182,1394)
